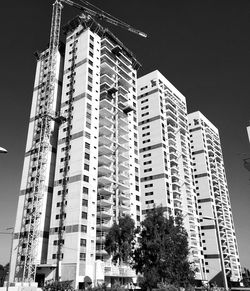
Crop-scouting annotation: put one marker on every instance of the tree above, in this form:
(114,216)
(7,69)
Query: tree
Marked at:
(162,252)
(120,239)
(4,270)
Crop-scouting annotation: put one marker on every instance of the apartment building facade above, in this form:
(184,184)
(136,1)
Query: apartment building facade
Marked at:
(217,227)
(166,170)
(95,172)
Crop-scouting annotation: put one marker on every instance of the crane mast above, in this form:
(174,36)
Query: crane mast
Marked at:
(27,248)
(29,237)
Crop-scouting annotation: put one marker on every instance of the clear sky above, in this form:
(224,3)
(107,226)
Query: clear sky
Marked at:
(202,47)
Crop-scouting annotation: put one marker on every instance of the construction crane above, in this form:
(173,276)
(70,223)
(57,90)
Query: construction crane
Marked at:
(27,248)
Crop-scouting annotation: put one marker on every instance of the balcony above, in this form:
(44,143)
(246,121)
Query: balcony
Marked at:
(123,130)
(123,176)
(106,140)
(106,121)
(123,157)
(107,112)
(124,207)
(104,201)
(106,50)
(105,191)
(105,150)
(104,213)
(124,166)
(107,65)
(123,186)
(104,225)
(105,180)
(106,104)
(122,121)
(105,170)
(106,79)
(101,251)
(124,196)
(106,130)
(123,139)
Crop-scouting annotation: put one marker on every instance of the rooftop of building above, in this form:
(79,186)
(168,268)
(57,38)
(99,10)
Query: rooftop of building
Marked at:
(158,75)
(94,26)
(199,115)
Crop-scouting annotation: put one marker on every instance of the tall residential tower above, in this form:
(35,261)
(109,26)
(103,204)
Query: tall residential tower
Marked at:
(92,170)
(166,170)
(218,233)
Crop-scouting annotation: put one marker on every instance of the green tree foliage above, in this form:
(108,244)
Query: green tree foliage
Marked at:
(120,239)
(4,270)
(162,252)
(246,277)
(58,286)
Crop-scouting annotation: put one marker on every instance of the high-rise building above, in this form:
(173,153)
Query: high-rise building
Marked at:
(217,228)
(166,170)
(92,170)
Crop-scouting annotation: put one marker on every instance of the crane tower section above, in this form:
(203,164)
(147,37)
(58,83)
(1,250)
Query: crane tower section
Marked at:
(31,231)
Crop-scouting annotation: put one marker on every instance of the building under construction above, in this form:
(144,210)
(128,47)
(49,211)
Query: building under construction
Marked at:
(81,167)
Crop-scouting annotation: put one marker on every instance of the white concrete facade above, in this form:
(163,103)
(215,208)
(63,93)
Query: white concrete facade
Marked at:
(166,171)
(214,208)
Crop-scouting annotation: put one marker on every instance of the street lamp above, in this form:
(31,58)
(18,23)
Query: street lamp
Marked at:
(220,249)
(3,151)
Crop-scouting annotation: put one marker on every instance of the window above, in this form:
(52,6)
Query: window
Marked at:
(145,134)
(87,145)
(83,242)
(147,155)
(85,190)
(145,87)
(143,101)
(147,170)
(86,167)
(144,114)
(149,201)
(83,228)
(84,202)
(86,178)
(149,193)
(145,127)
(147,163)
(145,141)
(87,135)
(144,107)
(148,185)
(84,215)
(137,198)
(82,256)
(87,156)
